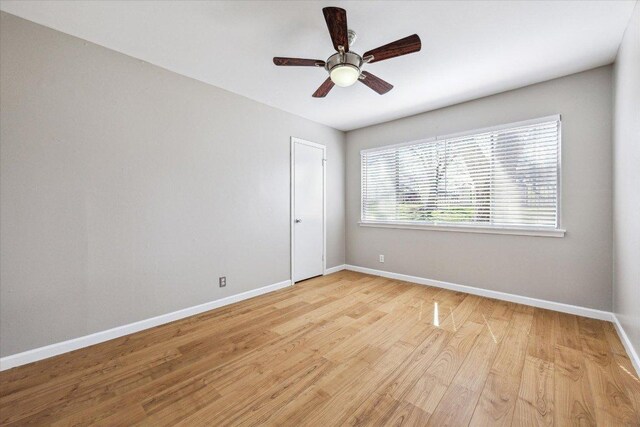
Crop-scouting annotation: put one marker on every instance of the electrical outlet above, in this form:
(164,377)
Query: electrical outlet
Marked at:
(381,258)
(222,281)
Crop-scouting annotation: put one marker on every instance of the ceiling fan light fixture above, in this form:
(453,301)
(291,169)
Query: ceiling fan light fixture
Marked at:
(344,75)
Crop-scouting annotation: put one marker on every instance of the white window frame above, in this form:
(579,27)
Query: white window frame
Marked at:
(522,231)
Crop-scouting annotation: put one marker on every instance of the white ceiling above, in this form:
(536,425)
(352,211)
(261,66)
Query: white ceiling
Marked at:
(469,49)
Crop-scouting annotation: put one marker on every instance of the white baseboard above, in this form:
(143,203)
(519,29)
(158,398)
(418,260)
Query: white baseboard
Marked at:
(335,269)
(631,351)
(40,353)
(550,305)
(45,352)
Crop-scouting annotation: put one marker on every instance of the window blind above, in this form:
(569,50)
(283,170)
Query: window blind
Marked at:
(507,177)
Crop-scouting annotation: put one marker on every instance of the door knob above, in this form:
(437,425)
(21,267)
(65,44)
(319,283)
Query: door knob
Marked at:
(298,221)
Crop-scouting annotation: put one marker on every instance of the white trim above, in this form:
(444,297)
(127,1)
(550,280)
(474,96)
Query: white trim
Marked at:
(309,143)
(466,229)
(295,141)
(335,269)
(398,145)
(626,342)
(45,352)
(559,222)
(534,302)
(292,174)
(522,123)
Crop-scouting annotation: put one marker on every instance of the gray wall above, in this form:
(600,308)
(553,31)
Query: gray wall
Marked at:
(126,189)
(576,269)
(626,178)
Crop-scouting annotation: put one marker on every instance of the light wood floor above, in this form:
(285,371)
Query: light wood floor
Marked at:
(347,348)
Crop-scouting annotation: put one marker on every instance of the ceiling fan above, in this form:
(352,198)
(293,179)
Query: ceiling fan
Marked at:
(345,66)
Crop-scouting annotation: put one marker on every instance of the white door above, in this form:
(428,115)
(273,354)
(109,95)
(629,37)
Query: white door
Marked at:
(308,210)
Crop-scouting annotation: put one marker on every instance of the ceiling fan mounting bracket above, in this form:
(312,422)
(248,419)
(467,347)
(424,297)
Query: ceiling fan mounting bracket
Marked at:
(352,37)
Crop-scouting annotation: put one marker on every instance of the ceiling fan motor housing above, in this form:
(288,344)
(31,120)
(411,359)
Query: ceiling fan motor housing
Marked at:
(340,59)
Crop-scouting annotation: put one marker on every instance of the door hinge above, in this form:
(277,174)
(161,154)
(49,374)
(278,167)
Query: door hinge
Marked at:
(324,161)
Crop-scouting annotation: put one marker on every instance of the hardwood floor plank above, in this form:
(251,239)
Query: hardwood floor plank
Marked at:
(237,398)
(447,363)
(535,406)
(613,339)
(374,410)
(317,397)
(459,315)
(541,340)
(338,409)
(459,401)
(566,331)
(406,377)
(572,395)
(498,398)
(611,402)
(406,414)
(628,376)
(484,310)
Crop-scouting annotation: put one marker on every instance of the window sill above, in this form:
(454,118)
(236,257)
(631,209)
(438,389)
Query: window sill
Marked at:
(466,229)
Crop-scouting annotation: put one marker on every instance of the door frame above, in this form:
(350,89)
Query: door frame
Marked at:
(295,141)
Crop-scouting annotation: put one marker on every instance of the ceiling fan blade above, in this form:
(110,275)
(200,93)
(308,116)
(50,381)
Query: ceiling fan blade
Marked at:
(397,48)
(337,24)
(376,83)
(324,89)
(298,62)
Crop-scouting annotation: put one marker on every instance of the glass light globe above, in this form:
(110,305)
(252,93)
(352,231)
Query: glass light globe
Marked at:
(344,75)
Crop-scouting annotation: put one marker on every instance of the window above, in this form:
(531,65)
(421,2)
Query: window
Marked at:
(502,178)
